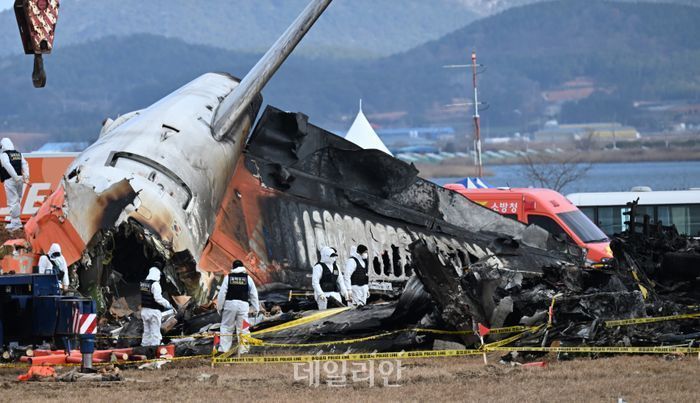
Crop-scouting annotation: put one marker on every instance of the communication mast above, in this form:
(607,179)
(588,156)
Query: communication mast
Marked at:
(477,122)
(475,102)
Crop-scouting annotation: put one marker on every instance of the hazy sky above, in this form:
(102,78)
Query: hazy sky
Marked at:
(5,4)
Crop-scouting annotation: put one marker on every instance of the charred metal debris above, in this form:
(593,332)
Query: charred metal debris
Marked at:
(456,264)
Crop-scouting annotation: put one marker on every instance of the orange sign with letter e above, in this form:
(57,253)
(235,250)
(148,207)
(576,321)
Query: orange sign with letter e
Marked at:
(45,173)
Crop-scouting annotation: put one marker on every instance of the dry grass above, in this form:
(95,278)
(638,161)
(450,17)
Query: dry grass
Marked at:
(638,378)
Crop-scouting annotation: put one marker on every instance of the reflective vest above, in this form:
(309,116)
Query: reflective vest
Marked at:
(237,287)
(359,276)
(56,270)
(147,298)
(16,162)
(329,279)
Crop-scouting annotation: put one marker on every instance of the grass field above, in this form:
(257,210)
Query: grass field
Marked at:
(632,378)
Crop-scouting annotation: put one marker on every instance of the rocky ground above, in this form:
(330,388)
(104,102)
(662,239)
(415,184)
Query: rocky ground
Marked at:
(632,378)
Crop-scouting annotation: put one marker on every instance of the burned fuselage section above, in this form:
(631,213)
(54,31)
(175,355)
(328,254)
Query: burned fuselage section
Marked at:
(176,173)
(299,187)
(169,183)
(175,194)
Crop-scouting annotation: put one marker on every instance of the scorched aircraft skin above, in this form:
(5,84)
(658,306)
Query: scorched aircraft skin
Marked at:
(298,187)
(172,182)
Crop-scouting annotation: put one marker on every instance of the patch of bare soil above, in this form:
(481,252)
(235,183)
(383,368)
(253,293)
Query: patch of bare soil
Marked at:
(633,378)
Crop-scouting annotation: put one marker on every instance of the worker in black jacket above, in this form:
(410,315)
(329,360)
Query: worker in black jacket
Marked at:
(152,305)
(14,174)
(357,275)
(326,279)
(236,296)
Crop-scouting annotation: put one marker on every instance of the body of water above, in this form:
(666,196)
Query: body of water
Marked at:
(607,177)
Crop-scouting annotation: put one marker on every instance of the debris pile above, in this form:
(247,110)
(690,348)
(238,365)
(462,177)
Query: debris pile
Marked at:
(562,304)
(659,252)
(550,301)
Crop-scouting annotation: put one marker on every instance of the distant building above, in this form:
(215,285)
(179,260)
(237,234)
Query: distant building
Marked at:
(606,132)
(671,113)
(426,149)
(415,136)
(574,90)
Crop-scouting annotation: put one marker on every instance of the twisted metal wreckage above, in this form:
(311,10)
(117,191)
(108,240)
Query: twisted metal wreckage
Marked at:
(182,181)
(459,264)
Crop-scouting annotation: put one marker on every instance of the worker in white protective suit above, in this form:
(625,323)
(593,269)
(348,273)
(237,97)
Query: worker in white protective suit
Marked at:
(14,173)
(152,306)
(357,276)
(236,296)
(327,281)
(54,263)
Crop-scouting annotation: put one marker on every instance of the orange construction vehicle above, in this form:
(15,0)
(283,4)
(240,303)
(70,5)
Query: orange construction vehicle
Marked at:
(544,208)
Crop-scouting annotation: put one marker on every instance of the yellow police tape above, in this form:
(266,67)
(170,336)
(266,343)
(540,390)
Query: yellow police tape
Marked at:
(511,339)
(583,349)
(252,341)
(303,321)
(511,329)
(287,325)
(268,359)
(653,319)
(261,359)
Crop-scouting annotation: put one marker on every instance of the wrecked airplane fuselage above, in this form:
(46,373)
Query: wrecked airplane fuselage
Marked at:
(298,188)
(168,183)
(150,186)
(177,157)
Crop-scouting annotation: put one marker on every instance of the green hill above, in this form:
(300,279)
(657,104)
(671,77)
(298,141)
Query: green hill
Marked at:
(348,29)
(628,51)
(632,51)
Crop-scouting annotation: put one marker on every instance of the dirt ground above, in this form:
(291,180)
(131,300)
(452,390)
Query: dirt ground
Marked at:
(632,378)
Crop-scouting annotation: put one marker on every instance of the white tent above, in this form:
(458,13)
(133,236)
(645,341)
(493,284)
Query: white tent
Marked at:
(362,134)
